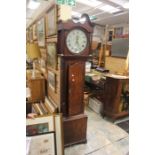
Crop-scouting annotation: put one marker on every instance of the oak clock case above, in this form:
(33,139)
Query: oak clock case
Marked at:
(74,40)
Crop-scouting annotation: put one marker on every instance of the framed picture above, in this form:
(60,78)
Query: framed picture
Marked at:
(31,34)
(39,125)
(34,31)
(41,144)
(51,21)
(46,143)
(59,135)
(50,106)
(51,55)
(51,80)
(41,32)
(43,65)
(27,35)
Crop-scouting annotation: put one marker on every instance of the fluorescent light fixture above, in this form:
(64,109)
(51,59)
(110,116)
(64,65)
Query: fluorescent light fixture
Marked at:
(92,3)
(109,8)
(33,5)
(126,6)
(76,14)
(123,3)
(119,2)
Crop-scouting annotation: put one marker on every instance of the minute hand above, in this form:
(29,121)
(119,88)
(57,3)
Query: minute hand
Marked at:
(77,40)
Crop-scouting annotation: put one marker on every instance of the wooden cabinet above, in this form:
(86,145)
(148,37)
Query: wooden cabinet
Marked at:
(116,97)
(37,88)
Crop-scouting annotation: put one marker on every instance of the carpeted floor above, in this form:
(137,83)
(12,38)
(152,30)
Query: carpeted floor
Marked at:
(124,125)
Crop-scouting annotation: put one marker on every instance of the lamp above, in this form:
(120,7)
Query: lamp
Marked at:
(33,53)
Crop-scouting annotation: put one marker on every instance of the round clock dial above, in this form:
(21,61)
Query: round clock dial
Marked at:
(76,41)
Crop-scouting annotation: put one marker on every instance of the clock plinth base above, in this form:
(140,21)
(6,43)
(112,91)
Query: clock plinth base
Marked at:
(75,129)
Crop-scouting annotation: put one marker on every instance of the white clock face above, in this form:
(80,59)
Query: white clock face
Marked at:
(76,41)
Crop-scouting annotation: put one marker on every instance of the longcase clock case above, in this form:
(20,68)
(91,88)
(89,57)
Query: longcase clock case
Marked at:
(72,82)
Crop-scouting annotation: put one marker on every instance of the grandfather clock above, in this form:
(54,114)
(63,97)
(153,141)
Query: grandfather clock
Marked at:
(74,43)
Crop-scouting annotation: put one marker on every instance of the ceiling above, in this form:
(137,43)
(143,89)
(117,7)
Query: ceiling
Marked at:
(103,12)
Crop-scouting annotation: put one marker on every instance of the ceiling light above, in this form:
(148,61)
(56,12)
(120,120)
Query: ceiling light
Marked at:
(92,3)
(123,3)
(109,8)
(33,4)
(119,2)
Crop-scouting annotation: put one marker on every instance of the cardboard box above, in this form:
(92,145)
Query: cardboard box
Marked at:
(95,104)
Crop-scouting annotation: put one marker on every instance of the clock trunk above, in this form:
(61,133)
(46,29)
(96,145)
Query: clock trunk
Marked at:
(71,100)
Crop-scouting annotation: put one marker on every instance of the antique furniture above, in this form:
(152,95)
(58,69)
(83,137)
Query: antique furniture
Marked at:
(116,96)
(74,43)
(37,87)
(112,91)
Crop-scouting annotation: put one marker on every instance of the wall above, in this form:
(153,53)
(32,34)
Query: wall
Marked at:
(98,34)
(124,25)
(115,64)
(43,66)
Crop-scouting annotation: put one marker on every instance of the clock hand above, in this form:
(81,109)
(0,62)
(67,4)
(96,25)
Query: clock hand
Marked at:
(77,41)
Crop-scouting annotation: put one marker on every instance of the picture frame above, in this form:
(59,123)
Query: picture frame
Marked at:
(50,105)
(41,32)
(41,144)
(27,35)
(54,138)
(34,31)
(59,134)
(43,65)
(31,34)
(51,55)
(52,80)
(39,125)
(51,21)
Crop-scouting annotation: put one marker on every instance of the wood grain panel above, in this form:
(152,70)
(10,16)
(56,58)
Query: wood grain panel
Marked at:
(75,85)
(75,128)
